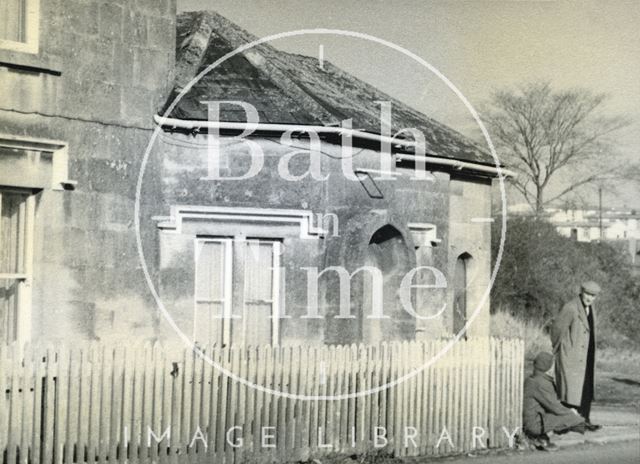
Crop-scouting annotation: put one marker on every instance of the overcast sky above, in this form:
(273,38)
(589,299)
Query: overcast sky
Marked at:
(478,45)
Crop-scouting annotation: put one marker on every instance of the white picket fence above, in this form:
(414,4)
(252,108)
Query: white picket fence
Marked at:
(115,404)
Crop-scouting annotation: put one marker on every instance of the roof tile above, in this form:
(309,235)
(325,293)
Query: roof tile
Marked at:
(289,88)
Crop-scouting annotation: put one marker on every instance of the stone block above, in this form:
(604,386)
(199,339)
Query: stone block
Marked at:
(117,214)
(82,210)
(124,318)
(119,143)
(55,304)
(72,252)
(111,176)
(138,106)
(162,33)
(151,69)
(124,64)
(96,61)
(111,20)
(81,17)
(91,100)
(155,7)
(135,28)
(78,169)
(28,92)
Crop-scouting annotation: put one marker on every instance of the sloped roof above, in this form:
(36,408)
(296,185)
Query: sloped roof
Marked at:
(289,88)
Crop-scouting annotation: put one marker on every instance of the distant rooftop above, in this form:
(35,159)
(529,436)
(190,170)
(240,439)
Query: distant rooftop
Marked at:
(289,88)
(588,212)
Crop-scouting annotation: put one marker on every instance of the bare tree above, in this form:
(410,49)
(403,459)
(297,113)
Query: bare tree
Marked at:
(540,133)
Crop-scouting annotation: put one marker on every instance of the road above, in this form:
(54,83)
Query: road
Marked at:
(614,453)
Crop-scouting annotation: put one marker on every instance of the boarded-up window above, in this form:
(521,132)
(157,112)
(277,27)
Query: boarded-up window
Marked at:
(258,292)
(213,295)
(237,291)
(16,232)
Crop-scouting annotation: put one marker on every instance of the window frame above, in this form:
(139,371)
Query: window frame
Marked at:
(234,291)
(32,31)
(25,278)
(32,186)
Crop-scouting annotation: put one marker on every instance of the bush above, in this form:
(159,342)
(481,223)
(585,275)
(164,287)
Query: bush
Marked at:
(541,270)
(505,325)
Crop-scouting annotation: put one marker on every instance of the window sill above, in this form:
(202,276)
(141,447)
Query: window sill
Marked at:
(30,62)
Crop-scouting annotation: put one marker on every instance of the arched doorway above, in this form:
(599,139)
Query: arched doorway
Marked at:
(460,292)
(388,252)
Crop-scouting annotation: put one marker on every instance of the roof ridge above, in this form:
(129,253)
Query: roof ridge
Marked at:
(191,47)
(221,27)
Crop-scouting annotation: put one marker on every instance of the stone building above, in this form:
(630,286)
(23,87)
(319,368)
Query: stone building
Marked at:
(79,84)
(76,119)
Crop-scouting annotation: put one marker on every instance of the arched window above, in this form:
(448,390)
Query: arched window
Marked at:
(460,292)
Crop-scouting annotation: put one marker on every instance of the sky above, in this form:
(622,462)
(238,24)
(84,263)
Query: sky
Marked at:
(480,46)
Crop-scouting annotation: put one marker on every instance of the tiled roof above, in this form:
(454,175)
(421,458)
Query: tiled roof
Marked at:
(289,88)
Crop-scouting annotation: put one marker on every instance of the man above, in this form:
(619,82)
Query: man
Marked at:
(542,410)
(574,345)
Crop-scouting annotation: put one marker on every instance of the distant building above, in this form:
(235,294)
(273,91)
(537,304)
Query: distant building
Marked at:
(583,225)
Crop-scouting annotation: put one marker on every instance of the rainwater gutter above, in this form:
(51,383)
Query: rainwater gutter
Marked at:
(183,124)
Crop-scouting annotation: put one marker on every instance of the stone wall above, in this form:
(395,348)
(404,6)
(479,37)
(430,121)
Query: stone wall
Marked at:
(470,235)
(362,207)
(104,68)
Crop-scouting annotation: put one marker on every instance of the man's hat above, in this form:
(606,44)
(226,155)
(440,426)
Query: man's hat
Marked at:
(590,287)
(543,361)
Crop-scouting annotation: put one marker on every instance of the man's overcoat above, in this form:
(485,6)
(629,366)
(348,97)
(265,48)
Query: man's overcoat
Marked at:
(570,339)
